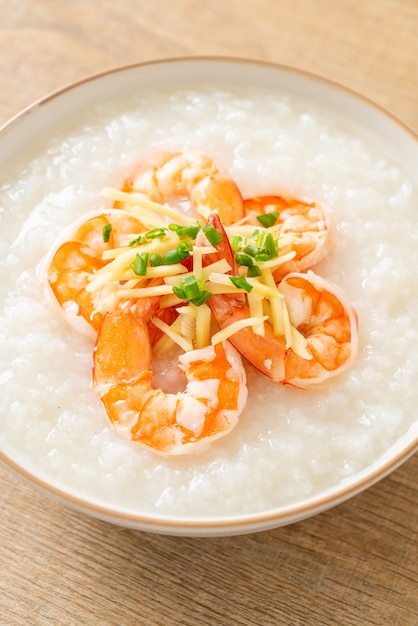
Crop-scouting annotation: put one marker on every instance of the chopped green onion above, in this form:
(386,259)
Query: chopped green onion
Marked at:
(156,259)
(236,242)
(270,245)
(139,241)
(241,283)
(212,235)
(179,292)
(176,255)
(185,245)
(253,271)
(192,290)
(244,259)
(267,247)
(268,219)
(201,298)
(252,250)
(188,232)
(107,229)
(140,264)
(156,233)
(190,287)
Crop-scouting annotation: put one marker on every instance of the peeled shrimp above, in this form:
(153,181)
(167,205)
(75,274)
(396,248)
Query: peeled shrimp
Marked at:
(316,308)
(308,222)
(192,176)
(74,262)
(166,423)
(322,312)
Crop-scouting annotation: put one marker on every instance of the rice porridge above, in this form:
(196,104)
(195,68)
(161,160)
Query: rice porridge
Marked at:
(289,444)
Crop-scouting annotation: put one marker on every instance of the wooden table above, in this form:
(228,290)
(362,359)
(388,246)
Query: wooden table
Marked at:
(355,564)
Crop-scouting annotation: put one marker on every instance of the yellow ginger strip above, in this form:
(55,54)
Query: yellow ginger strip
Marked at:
(108,302)
(203,320)
(222,267)
(279,260)
(263,290)
(165,343)
(220,289)
(139,200)
(299,344)
(255,302)
(276,305)
(188,309)
(116,268)
(286,324)
(219,266)
(233,328)
(188,326)
(170,300)
(188,315)
(294,338)
(197,262)
(159,271)
(185,344)
(204,249)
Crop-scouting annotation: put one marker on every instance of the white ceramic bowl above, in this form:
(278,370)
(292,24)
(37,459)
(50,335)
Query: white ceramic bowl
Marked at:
(55,110)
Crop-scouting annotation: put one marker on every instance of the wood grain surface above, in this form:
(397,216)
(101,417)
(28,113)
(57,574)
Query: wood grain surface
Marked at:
(353,565)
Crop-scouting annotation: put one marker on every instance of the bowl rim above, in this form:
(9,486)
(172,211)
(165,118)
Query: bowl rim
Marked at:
(222,525)
(225,524)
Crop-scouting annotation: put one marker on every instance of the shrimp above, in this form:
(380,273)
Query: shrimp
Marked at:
(308,222)
(192,176)
(74,262)
(316,308)
(165,423)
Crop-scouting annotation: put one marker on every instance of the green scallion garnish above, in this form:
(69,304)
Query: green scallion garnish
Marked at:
(107,229)
(140,264)
(236,242)
(268,219)
(241,283)
(156,259)
(244,259)
(201,298)
(156,233)
(212,235)
(190,287)
(139,241)
(253,271)
(177,254)
(252,250)
(192,290)
(188,232)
